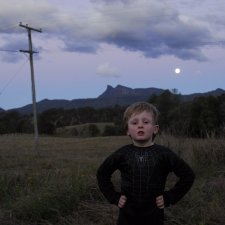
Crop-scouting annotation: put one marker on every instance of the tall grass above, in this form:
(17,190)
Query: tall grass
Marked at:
(58,186)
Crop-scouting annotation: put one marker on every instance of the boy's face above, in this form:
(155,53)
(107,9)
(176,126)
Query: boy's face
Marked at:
(141,127)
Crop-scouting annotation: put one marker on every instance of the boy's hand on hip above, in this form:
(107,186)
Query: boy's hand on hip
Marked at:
(122,201)
(160,202)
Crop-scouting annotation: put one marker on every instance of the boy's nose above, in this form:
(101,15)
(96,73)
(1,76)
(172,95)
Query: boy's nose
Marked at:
(140,124)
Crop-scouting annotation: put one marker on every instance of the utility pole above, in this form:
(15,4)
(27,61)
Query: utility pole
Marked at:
(31,52)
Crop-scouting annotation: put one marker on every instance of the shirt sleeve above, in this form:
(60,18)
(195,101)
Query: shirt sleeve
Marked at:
(186,178)
(104,174)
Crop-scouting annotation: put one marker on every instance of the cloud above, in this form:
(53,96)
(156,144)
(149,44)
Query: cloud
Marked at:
(11,46)
(111,2)
(153,28)
(14,38)
(106,70)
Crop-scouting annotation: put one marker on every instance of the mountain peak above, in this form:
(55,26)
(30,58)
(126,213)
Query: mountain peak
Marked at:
(123,91)
(117,91)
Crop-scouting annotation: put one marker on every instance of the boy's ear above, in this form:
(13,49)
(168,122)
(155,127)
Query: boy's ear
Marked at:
(156,129)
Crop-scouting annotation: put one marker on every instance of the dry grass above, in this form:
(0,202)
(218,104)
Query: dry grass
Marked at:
(58,186)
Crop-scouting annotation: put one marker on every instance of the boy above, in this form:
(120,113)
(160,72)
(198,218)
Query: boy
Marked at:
(144,167)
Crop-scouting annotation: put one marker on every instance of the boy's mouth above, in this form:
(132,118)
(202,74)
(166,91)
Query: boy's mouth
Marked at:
(140,133)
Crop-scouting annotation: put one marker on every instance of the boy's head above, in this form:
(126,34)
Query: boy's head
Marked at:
(137,108)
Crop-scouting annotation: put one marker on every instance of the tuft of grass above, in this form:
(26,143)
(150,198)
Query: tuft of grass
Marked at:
(51,201)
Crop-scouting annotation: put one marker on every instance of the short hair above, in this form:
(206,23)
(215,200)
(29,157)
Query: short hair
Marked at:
(139,107)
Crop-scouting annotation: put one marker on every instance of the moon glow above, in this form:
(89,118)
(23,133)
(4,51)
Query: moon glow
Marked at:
(177,70)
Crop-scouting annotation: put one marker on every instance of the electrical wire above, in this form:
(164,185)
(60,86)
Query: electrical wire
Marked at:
(5,50)
(12,77)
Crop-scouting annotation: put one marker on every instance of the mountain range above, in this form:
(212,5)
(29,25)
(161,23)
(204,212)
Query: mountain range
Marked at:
(120,95)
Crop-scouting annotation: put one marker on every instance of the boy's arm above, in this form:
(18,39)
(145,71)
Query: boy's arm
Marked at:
(105,184)
(186,178)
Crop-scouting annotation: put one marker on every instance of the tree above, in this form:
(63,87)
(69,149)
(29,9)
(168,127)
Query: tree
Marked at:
(221,113)
(166,103)
(9,122)
(93,130)
(204,119)
(46,121)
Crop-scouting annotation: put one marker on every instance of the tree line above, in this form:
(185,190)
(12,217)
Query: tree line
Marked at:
(202,117)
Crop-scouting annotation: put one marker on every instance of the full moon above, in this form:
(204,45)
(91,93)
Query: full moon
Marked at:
(177,70)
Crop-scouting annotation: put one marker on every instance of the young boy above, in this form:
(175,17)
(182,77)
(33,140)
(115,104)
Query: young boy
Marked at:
(144,167)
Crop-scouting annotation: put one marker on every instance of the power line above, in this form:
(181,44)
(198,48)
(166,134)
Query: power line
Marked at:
(12,78)
(5,50)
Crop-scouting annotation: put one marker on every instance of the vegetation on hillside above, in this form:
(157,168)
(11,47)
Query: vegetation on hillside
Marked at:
(203,117)
(58,186)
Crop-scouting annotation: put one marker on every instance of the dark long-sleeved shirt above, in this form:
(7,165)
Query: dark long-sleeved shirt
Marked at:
(144,171)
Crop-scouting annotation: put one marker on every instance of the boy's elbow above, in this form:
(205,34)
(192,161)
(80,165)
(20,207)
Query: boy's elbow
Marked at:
(192,176)
(190,179)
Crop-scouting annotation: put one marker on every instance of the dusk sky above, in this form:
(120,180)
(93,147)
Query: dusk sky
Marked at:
(86,45)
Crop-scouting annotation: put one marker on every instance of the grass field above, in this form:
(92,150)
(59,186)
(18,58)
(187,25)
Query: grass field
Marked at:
(57,184)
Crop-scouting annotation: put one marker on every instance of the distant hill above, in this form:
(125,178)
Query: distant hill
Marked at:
(120,95)
(190,97)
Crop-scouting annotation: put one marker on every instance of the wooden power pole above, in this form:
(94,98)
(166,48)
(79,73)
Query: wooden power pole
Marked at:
(31,52)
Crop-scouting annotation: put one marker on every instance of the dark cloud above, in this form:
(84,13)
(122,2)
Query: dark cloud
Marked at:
(84,46)
(155,31)
(153,28)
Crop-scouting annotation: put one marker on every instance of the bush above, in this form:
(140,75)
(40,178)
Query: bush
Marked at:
(93,130)
(109,131)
